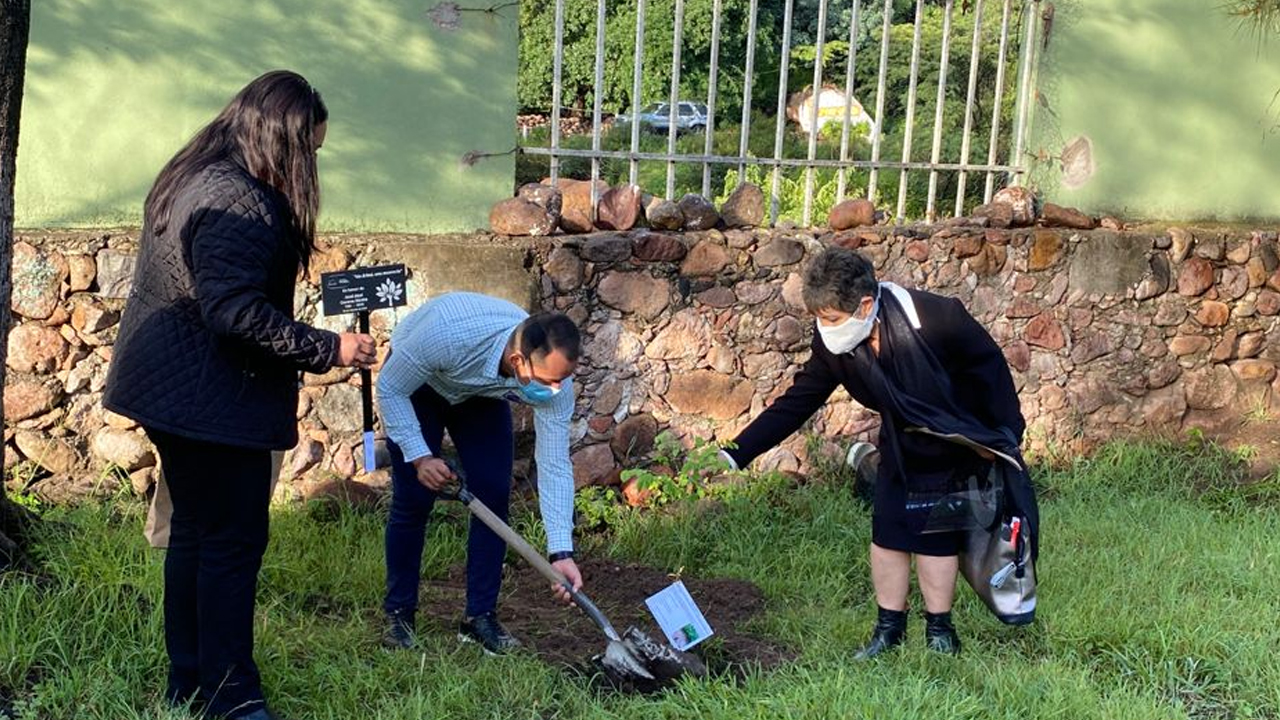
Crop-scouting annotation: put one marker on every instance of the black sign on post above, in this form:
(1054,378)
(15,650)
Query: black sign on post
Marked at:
(359,291)
(362,289)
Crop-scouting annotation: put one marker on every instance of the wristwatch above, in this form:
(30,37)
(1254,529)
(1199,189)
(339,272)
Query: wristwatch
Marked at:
(561,555)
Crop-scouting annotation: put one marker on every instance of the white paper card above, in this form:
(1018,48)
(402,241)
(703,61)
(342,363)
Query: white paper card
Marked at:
(679,617)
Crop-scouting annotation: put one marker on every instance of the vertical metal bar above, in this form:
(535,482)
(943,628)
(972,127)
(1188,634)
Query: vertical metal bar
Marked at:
(366,401)
(848,97)
(1031,16)
(636,89)
(597,97)
(710,129)
(673,108)
(930,209)
(974,57)
(878,120)
(743,138)
(556,74)
(783,69)
(995,107)
(815,92)
(911,111)
(1038,47)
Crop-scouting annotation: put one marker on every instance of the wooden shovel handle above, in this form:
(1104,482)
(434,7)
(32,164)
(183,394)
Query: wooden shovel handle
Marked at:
(535,558)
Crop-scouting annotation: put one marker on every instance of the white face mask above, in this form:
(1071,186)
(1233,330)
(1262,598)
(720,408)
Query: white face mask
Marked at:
(851,333)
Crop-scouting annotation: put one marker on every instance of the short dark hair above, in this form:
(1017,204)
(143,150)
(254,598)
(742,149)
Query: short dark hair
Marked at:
(545,332)
(837,278)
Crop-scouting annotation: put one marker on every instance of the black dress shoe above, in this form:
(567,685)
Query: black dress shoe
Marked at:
(399,632)
(940,635)
(488,632)
(889,632)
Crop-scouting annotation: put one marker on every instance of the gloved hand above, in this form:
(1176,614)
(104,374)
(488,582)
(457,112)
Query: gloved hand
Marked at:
(728,460)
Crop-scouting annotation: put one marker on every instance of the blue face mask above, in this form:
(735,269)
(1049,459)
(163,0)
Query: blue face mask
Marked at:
(535,393)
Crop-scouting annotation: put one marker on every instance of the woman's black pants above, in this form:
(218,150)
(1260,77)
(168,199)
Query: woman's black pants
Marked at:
(218,534)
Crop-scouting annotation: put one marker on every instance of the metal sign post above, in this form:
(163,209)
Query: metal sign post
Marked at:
(360,291)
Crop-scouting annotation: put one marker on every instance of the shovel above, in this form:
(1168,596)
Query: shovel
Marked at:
(631,660)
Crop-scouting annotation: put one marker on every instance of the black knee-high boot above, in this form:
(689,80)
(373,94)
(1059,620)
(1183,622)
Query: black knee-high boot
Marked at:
(889,632)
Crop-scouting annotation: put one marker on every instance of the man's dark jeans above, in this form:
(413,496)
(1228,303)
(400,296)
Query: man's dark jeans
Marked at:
(218,534)
(481,431)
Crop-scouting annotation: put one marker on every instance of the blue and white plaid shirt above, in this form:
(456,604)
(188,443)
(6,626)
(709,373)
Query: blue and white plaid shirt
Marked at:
(454,343)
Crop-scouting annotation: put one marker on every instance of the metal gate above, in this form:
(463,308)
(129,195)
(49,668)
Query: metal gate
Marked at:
(1020,25)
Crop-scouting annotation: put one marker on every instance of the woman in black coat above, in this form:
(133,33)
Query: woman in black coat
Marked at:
(920,360)
(208,361)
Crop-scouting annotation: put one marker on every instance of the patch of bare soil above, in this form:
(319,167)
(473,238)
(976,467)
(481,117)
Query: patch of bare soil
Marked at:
(1261,442)
(567,637)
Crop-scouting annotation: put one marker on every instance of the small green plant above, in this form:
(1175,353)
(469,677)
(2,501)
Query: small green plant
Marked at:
(599,507)
(26,500)
(1196,440)
(677,473)
(1259,410)
(1244,453)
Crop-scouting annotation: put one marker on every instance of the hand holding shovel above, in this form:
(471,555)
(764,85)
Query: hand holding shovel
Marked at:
(632,659)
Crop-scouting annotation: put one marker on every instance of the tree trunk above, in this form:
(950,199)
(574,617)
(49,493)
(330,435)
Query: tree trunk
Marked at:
(15,24)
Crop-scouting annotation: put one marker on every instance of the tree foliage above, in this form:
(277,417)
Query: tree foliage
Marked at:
(537,37)
(535,82)
(1262,16)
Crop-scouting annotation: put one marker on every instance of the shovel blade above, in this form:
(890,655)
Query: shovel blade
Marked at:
(622,665)
(663,661)
(638,663)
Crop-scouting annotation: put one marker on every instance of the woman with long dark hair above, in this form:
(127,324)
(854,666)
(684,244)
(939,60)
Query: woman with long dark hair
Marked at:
(208,360)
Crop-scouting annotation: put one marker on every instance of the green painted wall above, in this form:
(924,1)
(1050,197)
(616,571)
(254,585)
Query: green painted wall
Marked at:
(1179,101)
(115,87)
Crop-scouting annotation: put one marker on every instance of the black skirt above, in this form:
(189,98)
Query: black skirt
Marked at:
(929,465)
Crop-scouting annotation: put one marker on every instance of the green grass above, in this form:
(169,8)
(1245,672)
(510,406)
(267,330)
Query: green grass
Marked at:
(1158,600)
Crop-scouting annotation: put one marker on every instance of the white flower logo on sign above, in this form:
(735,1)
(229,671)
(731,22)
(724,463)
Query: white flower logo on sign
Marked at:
(389,291)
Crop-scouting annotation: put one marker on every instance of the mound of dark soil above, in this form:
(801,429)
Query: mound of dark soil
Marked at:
(566,636)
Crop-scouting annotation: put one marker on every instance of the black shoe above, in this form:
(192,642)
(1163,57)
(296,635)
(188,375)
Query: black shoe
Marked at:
(889,632)
(940,635)
(399,633)
(486,630)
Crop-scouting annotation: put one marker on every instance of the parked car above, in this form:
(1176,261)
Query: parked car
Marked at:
(690,116)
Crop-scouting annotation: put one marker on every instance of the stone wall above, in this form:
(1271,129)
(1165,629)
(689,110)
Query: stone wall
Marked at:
(69,292)
(1108,333)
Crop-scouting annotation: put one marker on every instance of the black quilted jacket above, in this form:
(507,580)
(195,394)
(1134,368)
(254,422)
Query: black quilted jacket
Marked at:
(208,347)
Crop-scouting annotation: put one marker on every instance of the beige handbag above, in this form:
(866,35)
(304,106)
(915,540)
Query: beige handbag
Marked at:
(997,563)
(996,560)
